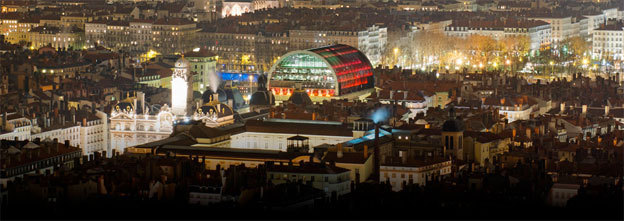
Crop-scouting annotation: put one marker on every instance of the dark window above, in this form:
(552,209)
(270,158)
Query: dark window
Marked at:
(451,146)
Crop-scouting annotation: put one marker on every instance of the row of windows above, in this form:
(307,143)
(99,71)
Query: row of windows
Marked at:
(411,175)
(42,164)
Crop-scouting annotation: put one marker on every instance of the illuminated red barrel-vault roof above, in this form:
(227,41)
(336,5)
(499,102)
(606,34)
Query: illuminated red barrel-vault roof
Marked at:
(336,70)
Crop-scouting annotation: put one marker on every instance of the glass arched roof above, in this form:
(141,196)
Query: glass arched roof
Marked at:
(335,70)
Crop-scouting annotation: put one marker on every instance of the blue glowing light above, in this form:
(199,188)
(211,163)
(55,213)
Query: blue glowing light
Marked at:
(237,76)
(380,115)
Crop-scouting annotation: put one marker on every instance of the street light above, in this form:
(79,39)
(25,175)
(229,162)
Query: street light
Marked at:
(396,52)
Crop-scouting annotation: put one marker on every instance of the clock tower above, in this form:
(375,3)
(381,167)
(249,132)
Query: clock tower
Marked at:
(181,88)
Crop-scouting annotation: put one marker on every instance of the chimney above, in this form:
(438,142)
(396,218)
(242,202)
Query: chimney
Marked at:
(562,107)
(84,122)
(606,110)
(47,148)
(365,151)
(135,104)
(584,108)
(339,154)
(142,95)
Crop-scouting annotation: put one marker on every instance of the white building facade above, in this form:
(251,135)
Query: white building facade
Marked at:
(130,128)
(371,41)
(538,32)
(608,42)
(420,173)
(90,134)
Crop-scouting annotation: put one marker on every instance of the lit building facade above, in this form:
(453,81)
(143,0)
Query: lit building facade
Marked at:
(56,37)
(562,27)
(238,7)
(132,125)
(538,32)
(371,41)
(174,35)
(337,71)
(89,132)
(329,178)
(608,42)
(204,64)
(415,172)
(134,36)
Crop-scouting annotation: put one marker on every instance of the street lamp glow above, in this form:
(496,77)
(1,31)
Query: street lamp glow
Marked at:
(396,50)
(552,62)
(585,61)
(495,64)
(480,65)
(459,61)
(508,62)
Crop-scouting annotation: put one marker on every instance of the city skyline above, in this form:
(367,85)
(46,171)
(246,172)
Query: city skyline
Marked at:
(259,109)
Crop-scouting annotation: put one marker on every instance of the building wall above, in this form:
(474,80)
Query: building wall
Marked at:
(418,175)
(365,170)
(71,133)
(204,67)
(608,44)
(340,183)
(170,39)
(515,114)
(57,40)
(128,130)
(453,144)
(559,196)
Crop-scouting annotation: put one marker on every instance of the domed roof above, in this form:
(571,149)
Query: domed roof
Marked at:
(262,98)
(182,63)
(124,106)
(222,95)
(453,124)
(234,94)
(262,80)
(220,109)
(300,97)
